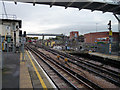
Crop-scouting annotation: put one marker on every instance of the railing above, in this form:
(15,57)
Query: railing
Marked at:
(8,16)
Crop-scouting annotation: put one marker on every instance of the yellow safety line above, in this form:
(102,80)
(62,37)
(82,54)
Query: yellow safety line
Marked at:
(24,57)
(20,56)
(21,59)
(40,78)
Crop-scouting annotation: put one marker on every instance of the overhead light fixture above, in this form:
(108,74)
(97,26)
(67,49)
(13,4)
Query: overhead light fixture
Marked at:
(34,2)
(53,1)
(15,1)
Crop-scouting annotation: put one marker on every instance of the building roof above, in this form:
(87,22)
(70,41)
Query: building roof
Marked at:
(80,4)
(12,20)
(101,32)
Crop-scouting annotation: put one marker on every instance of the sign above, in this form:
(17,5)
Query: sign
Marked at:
(102,40)
(110,33)
(8,39)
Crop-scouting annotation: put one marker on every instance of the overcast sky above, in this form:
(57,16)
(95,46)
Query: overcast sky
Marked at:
(57,20)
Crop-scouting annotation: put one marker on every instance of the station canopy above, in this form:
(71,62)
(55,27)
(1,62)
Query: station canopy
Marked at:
(99,5)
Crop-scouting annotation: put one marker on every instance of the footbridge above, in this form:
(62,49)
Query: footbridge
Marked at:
(43,35)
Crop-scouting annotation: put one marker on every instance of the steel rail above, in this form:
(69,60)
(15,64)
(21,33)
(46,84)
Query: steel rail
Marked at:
(85,63)
(111,72)
(36,53)
(74,73)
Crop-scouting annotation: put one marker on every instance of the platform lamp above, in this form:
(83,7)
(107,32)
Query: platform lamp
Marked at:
(15,1)
(110,36)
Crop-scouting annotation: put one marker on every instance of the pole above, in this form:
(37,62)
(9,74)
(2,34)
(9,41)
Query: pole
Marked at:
(1,53)
(14,41)
(110,37)
(23,48)
(119,35)
(118,18)
(43,40)
(96,26)
(1,66)
(14,38)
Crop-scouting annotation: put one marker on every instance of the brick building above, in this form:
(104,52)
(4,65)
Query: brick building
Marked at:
(103,36)
(74,34)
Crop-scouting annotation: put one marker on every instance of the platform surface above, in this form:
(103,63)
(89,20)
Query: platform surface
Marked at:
(25,80)
(11,69)
(114,57)
(19,73)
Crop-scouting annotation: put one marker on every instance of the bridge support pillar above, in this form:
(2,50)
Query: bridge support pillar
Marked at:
(119,34)
(118,18)
(43,40)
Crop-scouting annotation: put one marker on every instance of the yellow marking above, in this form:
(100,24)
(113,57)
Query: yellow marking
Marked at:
(40,78)
(3,42)
(66,59)
(58,56)
(21,59)
(110,33)
(20,56)
(24,57)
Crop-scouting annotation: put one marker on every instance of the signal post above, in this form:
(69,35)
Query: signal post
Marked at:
(110,37)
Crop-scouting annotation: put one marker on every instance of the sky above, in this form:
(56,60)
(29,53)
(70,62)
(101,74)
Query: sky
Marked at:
(58,20)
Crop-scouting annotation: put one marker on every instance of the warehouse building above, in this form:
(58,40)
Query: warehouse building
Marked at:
(102,37)
(99,42)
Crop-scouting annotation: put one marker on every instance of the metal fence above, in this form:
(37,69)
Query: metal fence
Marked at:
(103,48)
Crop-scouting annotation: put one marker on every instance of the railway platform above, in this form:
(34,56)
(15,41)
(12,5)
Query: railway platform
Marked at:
(19,73)
(113,57)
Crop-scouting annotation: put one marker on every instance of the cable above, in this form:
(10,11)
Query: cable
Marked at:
(4,9)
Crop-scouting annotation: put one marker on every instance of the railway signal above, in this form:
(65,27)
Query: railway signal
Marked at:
(24,35)
(110,37)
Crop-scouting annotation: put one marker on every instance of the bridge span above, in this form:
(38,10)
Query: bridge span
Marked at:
(43,35)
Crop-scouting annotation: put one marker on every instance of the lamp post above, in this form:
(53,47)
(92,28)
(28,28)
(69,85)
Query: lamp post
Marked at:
(96,32)
(96,26)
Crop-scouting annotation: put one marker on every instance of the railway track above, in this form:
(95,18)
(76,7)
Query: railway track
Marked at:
(107,74)
(75,80)
(104,60)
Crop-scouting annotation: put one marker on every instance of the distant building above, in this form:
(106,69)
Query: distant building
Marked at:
(100,37)
(74,34)
(81,38)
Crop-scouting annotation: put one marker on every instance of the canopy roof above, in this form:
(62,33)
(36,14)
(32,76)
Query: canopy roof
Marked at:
(80,4)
